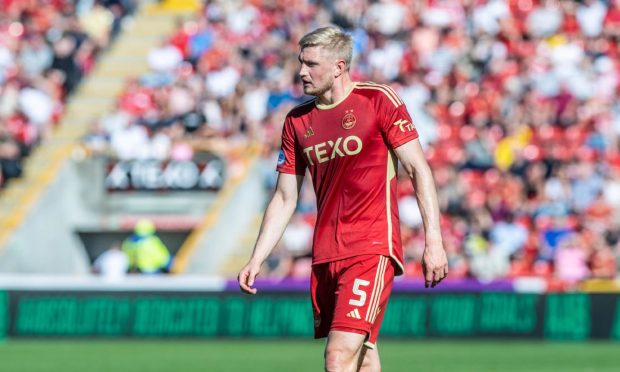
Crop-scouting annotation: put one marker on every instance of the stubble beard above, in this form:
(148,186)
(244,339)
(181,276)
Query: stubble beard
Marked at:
(313,90)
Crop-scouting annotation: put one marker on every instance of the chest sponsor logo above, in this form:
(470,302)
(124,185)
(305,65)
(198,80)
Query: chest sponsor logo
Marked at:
(348,121)
(404,125)
(329,150)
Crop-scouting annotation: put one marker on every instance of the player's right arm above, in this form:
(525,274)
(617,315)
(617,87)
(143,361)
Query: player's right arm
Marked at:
(278,214)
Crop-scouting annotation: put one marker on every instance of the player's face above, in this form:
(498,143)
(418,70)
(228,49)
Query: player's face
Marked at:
(316,72)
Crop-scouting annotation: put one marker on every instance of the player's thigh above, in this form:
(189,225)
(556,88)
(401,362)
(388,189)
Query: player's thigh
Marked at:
(360,290)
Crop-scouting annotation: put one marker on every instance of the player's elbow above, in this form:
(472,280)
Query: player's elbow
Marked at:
(289,200)
(285,200)
(289,207)
(421,170)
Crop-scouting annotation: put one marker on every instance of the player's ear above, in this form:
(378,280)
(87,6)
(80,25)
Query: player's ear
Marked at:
(340,67)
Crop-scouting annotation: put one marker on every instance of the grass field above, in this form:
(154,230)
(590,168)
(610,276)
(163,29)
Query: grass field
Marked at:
(300,356)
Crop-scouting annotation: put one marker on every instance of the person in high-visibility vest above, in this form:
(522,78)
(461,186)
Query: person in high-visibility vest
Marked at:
(146,252)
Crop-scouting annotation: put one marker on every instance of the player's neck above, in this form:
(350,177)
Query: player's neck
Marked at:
(338,91)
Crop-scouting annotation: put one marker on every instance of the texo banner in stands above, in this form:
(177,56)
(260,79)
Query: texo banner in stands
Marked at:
(174,175)
(576,316)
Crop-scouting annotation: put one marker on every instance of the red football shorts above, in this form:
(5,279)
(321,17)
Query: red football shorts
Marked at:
(351,295)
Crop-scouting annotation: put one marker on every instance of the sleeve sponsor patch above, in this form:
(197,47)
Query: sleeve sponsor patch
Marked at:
(281,158)
(404,125)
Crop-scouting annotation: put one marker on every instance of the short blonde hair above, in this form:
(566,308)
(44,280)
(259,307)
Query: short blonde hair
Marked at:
(333,39)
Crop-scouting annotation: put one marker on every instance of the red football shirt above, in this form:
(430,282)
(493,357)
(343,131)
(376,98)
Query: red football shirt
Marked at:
(347,146)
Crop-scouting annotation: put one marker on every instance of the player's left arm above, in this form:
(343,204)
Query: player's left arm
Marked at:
(434,260)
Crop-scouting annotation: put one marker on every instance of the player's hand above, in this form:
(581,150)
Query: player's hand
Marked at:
(434,264)
(246,277)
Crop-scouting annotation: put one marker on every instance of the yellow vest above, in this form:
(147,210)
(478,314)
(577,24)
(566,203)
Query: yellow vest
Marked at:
(148,254)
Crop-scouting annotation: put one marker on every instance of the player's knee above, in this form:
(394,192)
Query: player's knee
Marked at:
(339,359)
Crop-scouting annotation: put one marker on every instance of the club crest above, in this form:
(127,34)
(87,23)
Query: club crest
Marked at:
(348,121)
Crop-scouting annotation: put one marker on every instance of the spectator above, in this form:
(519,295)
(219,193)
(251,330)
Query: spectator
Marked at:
(507,236)
(590,15)
(146,252)
(36,55)
(97,23)
(571,260)
(10,164)
(603,263)
(165,58)
(112,264)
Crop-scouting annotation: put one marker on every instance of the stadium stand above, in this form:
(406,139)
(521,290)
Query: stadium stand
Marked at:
(46,47)
(24,200)
(519,118)
(515,102)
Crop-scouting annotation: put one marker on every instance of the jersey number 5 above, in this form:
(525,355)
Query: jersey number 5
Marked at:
(359,292)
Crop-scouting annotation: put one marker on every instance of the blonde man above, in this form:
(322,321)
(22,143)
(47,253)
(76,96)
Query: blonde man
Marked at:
(349,137)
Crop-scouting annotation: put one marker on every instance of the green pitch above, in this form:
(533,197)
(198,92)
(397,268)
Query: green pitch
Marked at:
(299,356)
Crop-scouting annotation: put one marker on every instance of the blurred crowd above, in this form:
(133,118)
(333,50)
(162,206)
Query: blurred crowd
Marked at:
(515,102)
(46,47)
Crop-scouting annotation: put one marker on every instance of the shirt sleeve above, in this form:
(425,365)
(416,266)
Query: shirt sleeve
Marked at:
(290,160)
(396,124)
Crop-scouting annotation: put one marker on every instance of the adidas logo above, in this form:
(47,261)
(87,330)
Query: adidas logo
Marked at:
(309,133)
(354,314)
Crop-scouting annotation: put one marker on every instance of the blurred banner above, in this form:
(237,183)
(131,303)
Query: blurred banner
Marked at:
(287,313)
(156,175)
